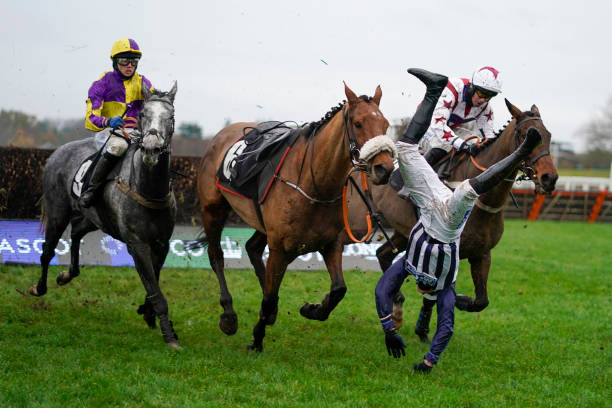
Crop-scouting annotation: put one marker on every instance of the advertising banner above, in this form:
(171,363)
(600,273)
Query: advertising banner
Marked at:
(21,242)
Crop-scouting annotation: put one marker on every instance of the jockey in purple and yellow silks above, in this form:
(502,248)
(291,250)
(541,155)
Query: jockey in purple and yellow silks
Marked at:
(115,95)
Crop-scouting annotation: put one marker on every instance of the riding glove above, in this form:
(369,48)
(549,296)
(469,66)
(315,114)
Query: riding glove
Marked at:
(395,344)
(471,149)
(115,122)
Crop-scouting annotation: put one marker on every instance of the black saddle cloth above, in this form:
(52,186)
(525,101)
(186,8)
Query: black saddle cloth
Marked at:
(250,164)
(81,178)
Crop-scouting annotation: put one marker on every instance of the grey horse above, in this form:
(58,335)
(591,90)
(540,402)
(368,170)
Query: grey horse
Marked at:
(136,206)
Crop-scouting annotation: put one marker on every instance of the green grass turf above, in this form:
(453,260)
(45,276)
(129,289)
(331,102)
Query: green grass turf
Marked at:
(542,342)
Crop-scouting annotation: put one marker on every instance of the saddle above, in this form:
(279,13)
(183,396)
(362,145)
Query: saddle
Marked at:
(251,163)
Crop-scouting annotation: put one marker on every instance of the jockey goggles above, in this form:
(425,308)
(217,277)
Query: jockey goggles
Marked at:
(124,62)
(483,93)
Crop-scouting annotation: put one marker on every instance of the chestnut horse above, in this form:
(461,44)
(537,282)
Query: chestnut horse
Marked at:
(485,225)
(302,213)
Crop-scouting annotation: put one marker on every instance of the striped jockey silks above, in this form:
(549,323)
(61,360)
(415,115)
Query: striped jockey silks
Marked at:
(433,257)
(424,254)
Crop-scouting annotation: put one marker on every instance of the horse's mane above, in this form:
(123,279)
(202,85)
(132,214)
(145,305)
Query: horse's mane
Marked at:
(333,110)
(489,142)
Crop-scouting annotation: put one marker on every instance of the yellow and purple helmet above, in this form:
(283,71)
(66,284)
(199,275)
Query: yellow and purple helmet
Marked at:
(125,45)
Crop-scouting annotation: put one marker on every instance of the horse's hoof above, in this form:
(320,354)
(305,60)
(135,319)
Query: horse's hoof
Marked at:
(174,345)
(463,302)
(149,320)
(253,347)
(63,278)
(312,311)
(228,323)
(148,315)
(34,291)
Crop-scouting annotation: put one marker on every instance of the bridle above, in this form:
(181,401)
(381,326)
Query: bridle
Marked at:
(138,139)
(349,133)
(526,166)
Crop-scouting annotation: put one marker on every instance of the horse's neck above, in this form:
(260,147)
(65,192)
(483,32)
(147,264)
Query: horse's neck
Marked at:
(150,182)
(331,161)
(500,149)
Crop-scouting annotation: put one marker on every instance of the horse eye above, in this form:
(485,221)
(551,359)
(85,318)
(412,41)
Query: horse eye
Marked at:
(358,125)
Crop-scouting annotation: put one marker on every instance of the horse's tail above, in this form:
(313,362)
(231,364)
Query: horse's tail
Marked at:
(200,242)
(43,214)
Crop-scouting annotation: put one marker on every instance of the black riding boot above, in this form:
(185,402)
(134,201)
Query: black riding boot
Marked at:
(422,118)
(497,172)
(422,325)
(104,165)
(435,155)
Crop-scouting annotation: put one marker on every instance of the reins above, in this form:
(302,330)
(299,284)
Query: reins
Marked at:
(345,208)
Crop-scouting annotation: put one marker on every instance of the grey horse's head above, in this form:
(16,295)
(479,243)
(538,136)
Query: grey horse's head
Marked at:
(156,123)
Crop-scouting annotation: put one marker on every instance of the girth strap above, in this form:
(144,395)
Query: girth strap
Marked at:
(153,203)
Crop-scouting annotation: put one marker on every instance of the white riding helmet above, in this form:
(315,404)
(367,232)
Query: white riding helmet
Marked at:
(487,78)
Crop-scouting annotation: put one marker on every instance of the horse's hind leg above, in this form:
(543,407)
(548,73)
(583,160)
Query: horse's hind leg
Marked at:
(56,221)
(255,247)
(332,255)
(480,275)
(80,227)
(143,256)
(213,218)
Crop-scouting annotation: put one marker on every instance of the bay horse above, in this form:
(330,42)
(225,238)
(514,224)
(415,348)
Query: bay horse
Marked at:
(485,224)
(137,207)
(302,211)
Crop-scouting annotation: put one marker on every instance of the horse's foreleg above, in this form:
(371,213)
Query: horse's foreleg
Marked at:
(385,256)
(422,325)
(275,270)
(142,255)
(80,227)
(385,253)
(146,309)
(333,260)
(255,247)
(480,274)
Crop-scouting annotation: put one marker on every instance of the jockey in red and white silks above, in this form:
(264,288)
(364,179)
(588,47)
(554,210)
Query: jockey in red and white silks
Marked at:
(463,101)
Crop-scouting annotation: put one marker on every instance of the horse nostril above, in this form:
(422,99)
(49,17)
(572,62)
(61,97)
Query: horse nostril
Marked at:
(549,181)
(382,173)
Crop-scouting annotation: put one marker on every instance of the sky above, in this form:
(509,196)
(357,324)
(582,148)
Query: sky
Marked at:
(287,60)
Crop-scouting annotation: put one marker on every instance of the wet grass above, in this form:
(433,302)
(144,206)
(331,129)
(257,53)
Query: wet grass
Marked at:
(543,341)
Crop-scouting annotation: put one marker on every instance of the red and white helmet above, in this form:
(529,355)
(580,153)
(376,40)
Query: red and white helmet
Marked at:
(487,78)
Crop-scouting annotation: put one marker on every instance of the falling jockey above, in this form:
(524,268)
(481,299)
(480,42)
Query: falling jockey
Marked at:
(432,253)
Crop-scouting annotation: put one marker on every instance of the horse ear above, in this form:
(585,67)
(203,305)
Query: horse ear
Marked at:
(514,111)
(535,110)
(146,92)
(350,95)
(377,95)
(172,92)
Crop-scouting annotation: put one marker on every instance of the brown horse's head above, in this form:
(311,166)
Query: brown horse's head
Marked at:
(539,166)
(367,128)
